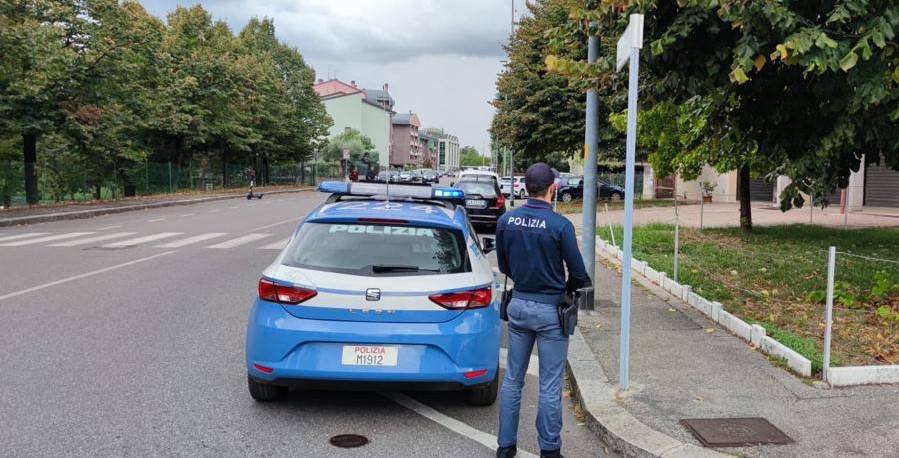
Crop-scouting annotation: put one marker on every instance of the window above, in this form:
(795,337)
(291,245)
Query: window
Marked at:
(378,250)
(485,189)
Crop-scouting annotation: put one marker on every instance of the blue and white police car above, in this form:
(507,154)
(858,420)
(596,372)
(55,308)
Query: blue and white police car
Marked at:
(378,291)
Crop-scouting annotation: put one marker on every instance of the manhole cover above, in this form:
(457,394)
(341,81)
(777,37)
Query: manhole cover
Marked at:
(348,441)
(735,432)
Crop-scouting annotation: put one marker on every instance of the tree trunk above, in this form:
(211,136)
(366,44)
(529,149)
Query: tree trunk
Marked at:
(743,195)
(29,148)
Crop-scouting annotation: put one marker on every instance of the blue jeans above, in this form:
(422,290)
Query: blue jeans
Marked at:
(531,321)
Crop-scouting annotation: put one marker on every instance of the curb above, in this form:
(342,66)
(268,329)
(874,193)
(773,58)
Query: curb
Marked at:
(81,214)
(612,422)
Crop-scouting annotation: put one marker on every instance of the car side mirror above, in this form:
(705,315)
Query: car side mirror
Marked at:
(489,245)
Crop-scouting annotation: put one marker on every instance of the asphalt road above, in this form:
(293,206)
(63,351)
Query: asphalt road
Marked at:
(126,338)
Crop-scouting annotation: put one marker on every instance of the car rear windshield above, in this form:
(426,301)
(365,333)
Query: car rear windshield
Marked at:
(378,250)
(481,188)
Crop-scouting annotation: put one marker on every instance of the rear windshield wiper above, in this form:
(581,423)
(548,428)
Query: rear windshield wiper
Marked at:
(379,268)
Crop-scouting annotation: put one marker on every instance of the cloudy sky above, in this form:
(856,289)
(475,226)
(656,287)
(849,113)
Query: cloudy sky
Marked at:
(439,57)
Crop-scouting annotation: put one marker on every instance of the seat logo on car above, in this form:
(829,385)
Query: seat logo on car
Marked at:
(373,294)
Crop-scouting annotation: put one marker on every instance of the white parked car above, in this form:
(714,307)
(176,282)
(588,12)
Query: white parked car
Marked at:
(506,185)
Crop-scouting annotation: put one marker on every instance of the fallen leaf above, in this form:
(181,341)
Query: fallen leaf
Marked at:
(699,398)
(734,273)
(753,347)
(566,393)
(672,309)
(710,331)
(765,292)
(763,269)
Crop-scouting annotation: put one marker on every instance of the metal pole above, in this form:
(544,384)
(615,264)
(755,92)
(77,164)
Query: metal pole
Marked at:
(828,314)
(624,358)
(845,204)
(811,206)
(609,220)
(170,176)
(512,175)
(676,244)
(591,131)
(701,210)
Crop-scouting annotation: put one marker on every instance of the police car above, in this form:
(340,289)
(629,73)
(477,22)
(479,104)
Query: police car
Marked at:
(378,291)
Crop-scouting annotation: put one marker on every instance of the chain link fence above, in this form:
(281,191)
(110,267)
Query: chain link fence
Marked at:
(60,181)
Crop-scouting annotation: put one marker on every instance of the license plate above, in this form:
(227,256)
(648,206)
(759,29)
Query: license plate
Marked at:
(475,203)
(369,355)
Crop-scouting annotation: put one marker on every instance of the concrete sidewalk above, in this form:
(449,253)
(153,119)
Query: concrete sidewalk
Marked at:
(728,214)
(44,213)
(684,366)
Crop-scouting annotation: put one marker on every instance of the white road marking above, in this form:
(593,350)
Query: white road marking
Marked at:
(456,426)
(139,240)
(279,245)
(98,238)
(189,240)
(234,207)
(274,224)
(155,220)
(188,214)
(22,236)
(78,277)
(69,235)
(107,227)
(239,241)
(213,211)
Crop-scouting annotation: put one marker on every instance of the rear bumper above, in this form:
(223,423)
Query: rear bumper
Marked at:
(484,216)
(307,352)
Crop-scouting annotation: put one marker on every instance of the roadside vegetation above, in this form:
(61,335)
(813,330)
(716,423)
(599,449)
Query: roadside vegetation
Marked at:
(777,277)
(577,206)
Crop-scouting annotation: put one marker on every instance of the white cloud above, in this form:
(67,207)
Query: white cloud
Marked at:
(440,57)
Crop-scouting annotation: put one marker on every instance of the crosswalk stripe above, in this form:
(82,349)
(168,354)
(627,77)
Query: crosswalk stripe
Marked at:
(48,238)
(189,240)
(22,236)
(279,245)
(98,238)
(139,240)
(240,241)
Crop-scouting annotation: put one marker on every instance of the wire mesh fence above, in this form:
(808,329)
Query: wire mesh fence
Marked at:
(777,277)
(59,182)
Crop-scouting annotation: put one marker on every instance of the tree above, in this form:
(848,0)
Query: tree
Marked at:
(36,59)
(755,73)
(469,156)
(540,112)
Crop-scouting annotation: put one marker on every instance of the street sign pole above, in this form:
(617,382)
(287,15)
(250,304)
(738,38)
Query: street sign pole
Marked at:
(629,50)
(591,141)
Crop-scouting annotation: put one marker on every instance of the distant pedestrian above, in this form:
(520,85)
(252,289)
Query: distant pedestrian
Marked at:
(533,246)
(354,174)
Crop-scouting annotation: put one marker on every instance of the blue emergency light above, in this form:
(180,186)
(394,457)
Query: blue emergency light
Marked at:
(394,190)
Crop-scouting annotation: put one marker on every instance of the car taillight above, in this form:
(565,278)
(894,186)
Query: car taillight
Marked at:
(474,299)
(282,294)
(500,201)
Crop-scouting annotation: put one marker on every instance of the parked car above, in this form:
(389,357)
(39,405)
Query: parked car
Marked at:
(483,200)
(430,176)
(573,188)
(385,175)
(405,177)
(518,189)
(427,316)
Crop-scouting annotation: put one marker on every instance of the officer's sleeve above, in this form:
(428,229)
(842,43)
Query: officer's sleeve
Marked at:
(502,255)
(577,273)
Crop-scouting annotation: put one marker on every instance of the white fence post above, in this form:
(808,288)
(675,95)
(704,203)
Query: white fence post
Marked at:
(676,243)
(609,220)
(828,313)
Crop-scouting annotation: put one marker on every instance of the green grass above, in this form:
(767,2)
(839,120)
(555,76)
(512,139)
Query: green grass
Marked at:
(577,206)
(766,276)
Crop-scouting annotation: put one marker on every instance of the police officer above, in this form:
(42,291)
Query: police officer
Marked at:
(532,244)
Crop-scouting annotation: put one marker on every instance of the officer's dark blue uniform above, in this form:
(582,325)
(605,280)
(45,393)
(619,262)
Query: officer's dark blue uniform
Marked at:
(534,244)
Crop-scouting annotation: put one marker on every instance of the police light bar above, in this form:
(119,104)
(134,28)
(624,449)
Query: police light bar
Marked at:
(394,190)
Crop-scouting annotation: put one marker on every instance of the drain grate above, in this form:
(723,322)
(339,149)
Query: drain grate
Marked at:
(735,432)
(348,440)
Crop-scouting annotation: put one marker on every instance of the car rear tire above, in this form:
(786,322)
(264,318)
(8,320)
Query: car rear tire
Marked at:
(265,392)
(616,196)
(567,197)
(485,395)
(521,194)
